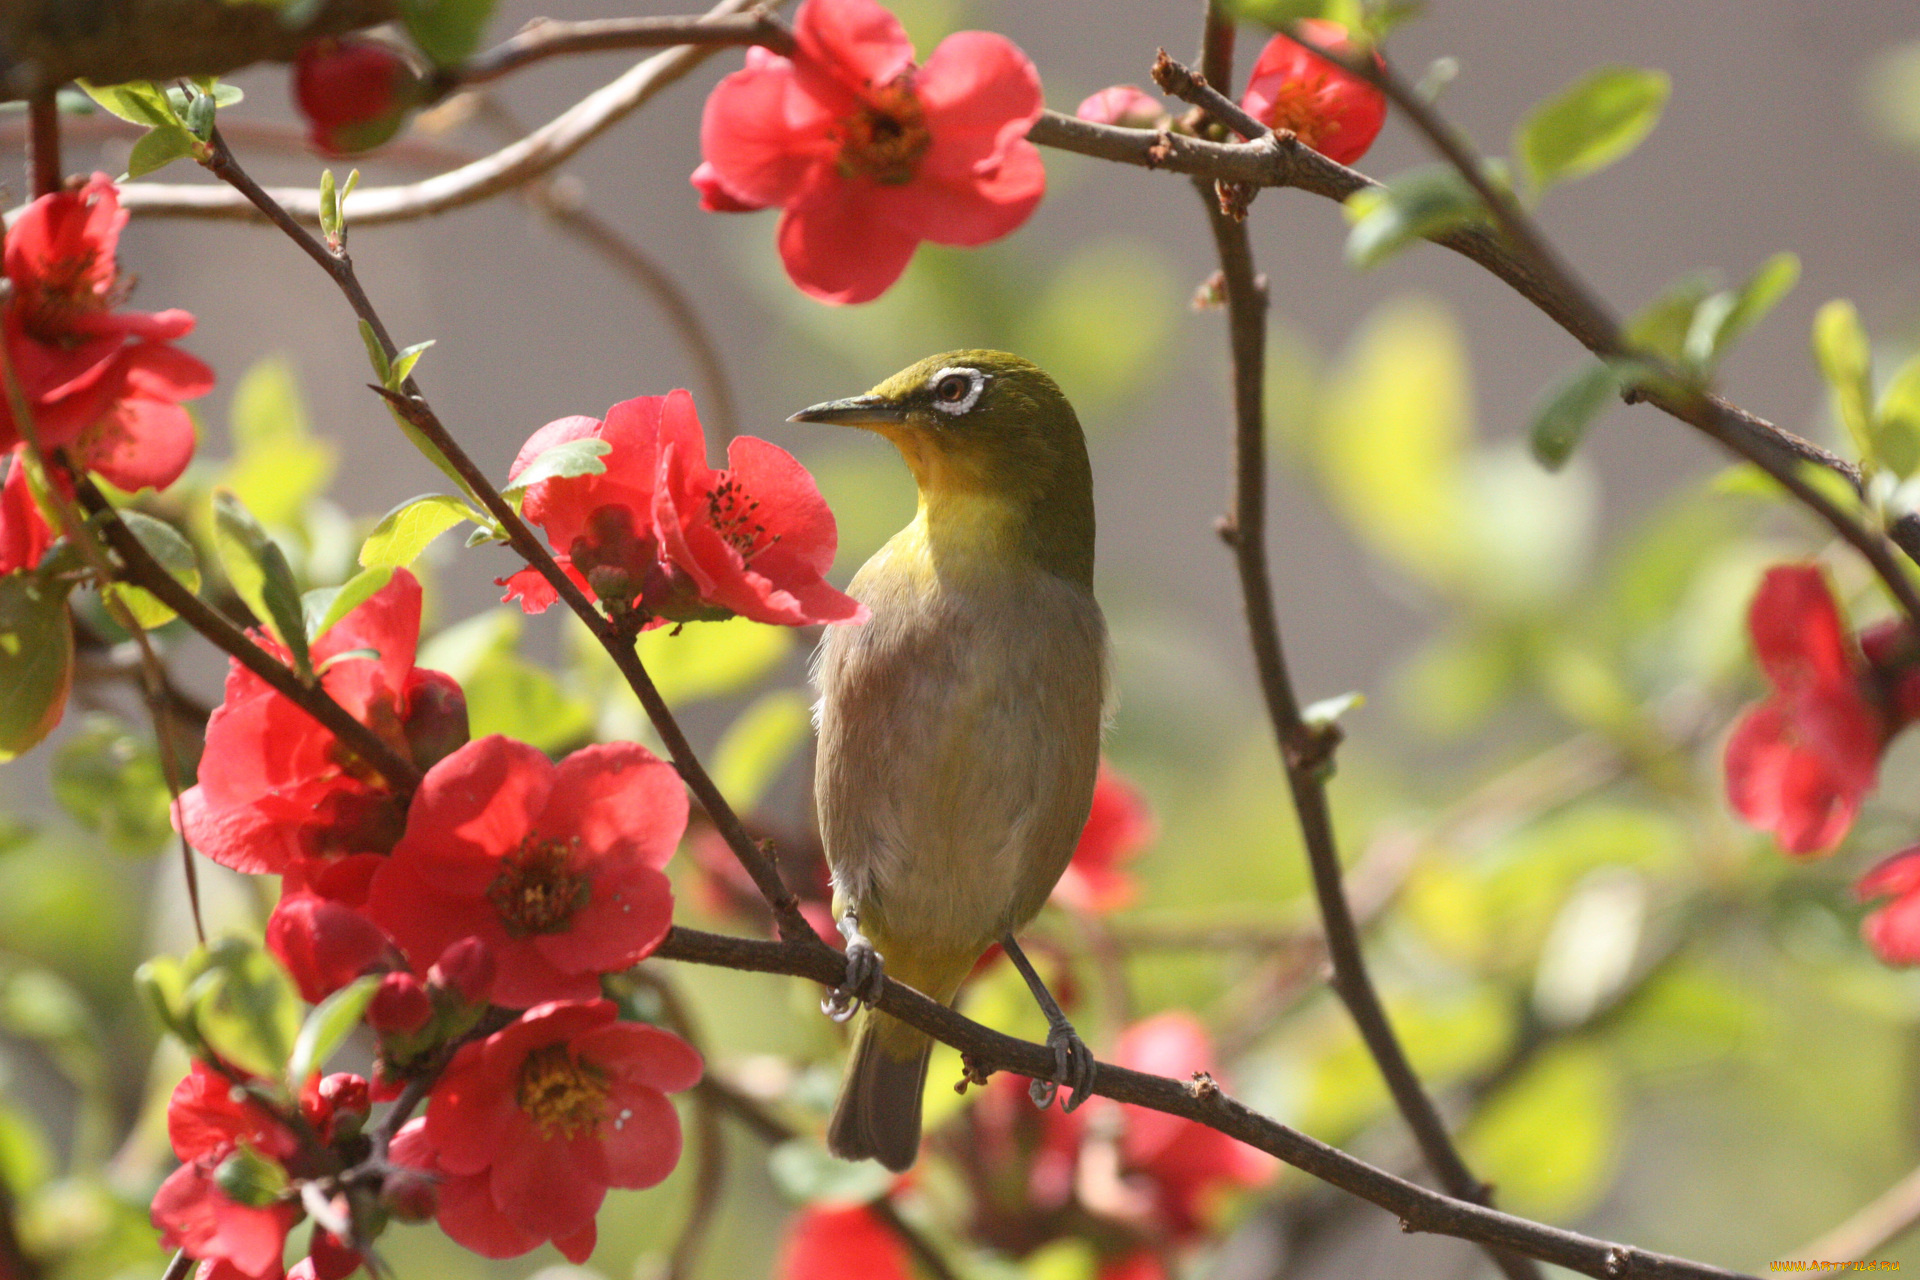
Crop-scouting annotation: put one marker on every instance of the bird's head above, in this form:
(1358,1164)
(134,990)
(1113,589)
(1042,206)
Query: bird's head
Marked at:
(992,442)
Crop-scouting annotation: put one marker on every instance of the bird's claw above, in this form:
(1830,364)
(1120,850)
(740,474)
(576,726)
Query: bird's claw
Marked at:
(866,979)
(1073,1066)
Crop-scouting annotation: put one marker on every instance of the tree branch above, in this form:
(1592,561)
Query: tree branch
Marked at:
(547,38)
(1417,1207)
(1305,749)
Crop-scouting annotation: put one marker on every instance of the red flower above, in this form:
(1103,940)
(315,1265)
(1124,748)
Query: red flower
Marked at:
(1893,931)
(530,1126)
(278,794)
(24,532)
(1800,763)
(207,1124)
(1327,107)
(1187,1165)
(354,92)
(325,945)
(105,384)
(661,532)
(556,869)
(868,154)
(1118,828)
(1124,105)
(826,1242)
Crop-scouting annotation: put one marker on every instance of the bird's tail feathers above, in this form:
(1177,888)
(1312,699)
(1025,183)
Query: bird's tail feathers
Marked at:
(878,1114)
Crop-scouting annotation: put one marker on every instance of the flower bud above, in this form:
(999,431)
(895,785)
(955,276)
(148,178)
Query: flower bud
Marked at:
(249,1178)
(354,92)
(466,968)
(436,724)
(400,1007)
(327,1259)
(324,944)
(336,1105)
(1123,105)
(410,1195)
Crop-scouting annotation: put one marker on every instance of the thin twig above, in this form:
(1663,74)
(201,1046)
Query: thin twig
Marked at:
(43,143)
(1889,1216)
(548,38)
(1305,750)
(617,640)
(539,152)
(1418,1208)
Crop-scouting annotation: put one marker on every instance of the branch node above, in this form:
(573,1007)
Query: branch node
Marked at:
(1203,1088)
(1211,294)
(1228,530)
(971,1073)
(1161,150)
(1310,748)
(1619,1261)
(1234,198)
(1171,76)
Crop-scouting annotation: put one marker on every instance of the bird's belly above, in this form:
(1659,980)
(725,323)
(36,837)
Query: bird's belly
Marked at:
(958,746)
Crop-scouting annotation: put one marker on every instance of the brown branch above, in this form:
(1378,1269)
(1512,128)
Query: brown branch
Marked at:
(1305,749)
(539,152)
(615,638)
(1417,1207)
(43,144)
(547,38)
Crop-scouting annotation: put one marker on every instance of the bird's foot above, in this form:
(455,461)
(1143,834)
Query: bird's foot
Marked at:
(1073,1066)
(866,976)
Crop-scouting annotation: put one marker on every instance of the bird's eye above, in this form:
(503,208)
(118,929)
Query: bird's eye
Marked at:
(955,391)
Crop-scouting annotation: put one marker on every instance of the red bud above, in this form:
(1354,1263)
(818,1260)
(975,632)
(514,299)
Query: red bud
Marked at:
(466,967)
(323,944)
(401,1005)
(436,723)
(354,92)
(410,1195)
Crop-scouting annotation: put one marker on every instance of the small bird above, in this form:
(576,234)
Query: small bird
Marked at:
(960,724)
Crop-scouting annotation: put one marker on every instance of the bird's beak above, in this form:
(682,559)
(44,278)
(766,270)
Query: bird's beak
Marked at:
(855,411)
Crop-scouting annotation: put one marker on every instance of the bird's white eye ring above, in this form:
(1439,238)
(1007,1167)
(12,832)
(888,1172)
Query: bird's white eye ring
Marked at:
(955,391)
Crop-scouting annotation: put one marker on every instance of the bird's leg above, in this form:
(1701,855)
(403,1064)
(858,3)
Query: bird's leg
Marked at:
(1072,1061)
(866,972)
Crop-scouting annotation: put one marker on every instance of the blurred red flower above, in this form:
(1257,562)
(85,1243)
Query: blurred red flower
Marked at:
(278,794)
(867,153)
(325,945)
(102,383)
(1893,931)
(555,868)
(1122,104)
(24,532)
(354,92)
(529,1127)
(833,1242)
(1799,763)
(662,532)
(1326,106)
(1118,828)
(207,1124)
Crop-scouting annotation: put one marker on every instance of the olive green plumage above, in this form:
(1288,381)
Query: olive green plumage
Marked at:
(960,725)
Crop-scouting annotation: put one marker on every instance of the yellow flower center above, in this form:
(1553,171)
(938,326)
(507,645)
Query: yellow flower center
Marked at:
(539,890)
(885,139)
(562,1096)
(1297,106)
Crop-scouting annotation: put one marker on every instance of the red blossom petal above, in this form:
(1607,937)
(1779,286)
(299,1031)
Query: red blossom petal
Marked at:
(475,805)
(551,1186)
(1778,782)
(763,132)
(858,39)
(1118,828)
(468,1214)
(838,245)
(1798,634)
(716,196)
(629,913)
(1332,110)
(322,944)
(24,532)
(620,800)
(827,1243)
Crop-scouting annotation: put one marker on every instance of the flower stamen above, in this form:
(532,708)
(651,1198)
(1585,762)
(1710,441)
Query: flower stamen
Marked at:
(561,1095)
(539,889)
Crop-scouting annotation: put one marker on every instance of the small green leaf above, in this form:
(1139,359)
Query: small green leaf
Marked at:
(403,363)
(407,530)
(137,102)
(580,457)
(1421,204)
(243,1004)
(1662,327)
(1598,120)
(162,981)
(1562,418)
(159,148)
(327,1028)
(447,31)
(109,780)
(327,605)
(1897,421)
(258,570)
(1720,320)
(377,354)
(174,554)
(329,208)
(758,745)
(1846,361)
(36,659)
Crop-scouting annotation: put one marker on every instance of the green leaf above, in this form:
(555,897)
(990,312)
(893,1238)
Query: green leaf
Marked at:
(581,457)
(403,363)
(1897,421)
(447,31)
(327,1027)
(137,102)
(1662,327)
(174,554)
(758,745)
(327,605)
(1417,205)
(1846,362)
(1562,417)
(110,780)
(1720,320)
(329,208)
(159,148)
(407,530)
(258,570)
(278,466)
(162,982)
(1598,120)
(376,354)
(244,1006)
(36,659)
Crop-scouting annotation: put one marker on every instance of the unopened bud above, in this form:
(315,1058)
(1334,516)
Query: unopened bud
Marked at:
(400,1006)
(354,92)
(410,1195)
(466,967)
(436,724)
